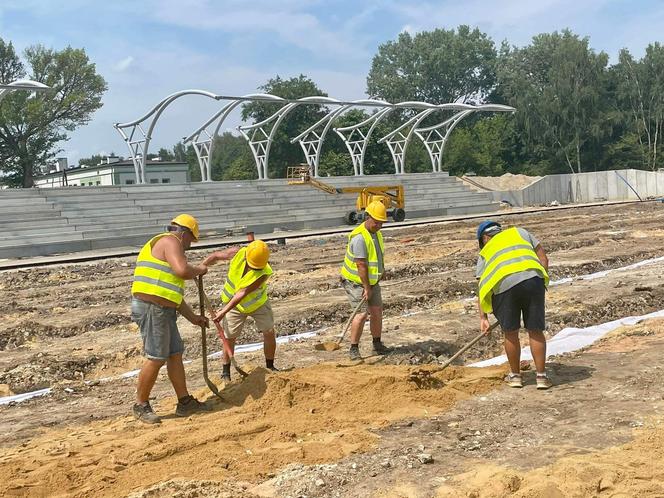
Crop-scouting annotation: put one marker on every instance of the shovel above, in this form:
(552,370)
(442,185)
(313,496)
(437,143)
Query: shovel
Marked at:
(224,340)
(466,347)
(334,345)
(201,298)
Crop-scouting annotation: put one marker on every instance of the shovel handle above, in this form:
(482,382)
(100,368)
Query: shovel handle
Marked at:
(350,319)
(468,346)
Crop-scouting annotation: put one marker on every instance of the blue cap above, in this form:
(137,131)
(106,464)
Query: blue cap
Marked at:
(484,225)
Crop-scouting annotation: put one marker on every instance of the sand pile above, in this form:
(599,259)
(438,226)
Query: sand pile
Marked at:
(633,469)
(508,181)
(311,415)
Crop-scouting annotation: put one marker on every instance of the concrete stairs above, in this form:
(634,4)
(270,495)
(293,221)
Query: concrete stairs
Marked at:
(38,222)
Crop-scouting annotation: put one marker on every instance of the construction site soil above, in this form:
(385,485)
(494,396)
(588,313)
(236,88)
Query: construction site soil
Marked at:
(392,426)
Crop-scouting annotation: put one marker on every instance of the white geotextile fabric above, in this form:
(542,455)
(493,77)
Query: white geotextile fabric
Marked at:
(571,339)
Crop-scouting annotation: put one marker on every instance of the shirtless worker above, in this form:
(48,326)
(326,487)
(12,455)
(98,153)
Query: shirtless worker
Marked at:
(157,296)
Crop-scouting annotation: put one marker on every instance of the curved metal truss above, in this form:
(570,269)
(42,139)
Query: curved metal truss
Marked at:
(203,138)
(138,140)
(261,135)
(311,140)
(28,85)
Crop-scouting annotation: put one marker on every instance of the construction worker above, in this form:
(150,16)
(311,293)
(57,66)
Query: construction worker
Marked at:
(512,269)
(245,295)
(361,271)
(157,295)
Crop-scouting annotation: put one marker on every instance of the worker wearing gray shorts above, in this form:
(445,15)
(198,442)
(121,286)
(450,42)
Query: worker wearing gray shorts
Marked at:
(361,271)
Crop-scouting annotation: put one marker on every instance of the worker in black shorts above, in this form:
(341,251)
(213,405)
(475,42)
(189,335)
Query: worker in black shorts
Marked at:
(512,271)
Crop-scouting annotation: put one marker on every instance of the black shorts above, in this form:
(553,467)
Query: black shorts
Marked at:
(526,297)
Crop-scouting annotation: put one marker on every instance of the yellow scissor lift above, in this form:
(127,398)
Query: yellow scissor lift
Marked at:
(390,195)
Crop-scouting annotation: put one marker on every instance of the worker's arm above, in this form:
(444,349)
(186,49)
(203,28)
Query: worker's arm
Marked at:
(541,255)
(174,255)
(239,296)
(363,271)
(484,318)
(185,310)
(223,255)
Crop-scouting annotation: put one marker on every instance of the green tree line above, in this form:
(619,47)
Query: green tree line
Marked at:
(575,111)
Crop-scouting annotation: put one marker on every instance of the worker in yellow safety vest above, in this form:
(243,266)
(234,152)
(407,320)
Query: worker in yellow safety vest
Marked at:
(362,269)
(512,269)
(245,295)
(157,296)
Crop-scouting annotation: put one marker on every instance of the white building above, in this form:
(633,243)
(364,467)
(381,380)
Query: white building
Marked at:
(115,172)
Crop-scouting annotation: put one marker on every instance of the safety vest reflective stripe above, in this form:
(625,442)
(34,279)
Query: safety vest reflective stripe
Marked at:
(237,280)
(156,266)
(155,277)
(160,283)
(506,253)
(349,269)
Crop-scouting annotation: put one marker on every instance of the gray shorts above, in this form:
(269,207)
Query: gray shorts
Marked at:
(354,292)
(159,329)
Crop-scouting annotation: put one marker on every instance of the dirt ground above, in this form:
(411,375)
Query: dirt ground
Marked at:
(328,427)
(508,181)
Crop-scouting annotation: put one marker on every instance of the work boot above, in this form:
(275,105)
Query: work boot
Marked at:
(189,405)
(513,380)
(380,348)
(354,353)
(269,364)
(226,372)
(145,414)
(543,382)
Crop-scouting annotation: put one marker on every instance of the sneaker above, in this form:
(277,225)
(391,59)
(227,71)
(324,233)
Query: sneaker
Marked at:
(190,405)
(380,348)
(354,354)
(145,414)
(513,380)
(543,382)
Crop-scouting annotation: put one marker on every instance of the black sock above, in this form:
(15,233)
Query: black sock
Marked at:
(354,346)
(227,369)
(269,363)
(184,399)
(376,340)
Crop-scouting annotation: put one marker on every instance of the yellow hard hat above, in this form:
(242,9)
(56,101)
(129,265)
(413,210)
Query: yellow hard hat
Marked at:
(377,211)
(258,254)
(187,221)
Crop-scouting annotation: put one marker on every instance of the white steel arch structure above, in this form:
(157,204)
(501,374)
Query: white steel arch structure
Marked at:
(435,137)
(203,139)
(28,85)
(138,140)
(260,135)
(311,140)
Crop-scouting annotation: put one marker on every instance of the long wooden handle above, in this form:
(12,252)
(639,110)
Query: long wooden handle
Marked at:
(350,319)
(468,346)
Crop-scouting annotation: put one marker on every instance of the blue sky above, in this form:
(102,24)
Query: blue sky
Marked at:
(147,49)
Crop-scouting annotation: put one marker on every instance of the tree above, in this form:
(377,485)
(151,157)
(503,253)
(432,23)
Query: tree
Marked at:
(640,98)
(93,160)
(231,150)
(32,124)
(557,84)
(283,153)
(437,66)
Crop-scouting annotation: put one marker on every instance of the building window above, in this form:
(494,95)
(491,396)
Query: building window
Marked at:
(98,183)
(154,180)
(129,182)
(165,180)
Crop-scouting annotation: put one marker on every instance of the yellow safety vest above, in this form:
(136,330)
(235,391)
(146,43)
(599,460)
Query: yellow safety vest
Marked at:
(155,277)
(506,253)
(349,268)
(235,281)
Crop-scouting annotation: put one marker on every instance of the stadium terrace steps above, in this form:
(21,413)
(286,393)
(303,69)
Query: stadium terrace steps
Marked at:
(38,222)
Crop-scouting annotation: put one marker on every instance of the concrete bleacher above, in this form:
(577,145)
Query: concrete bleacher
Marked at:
(37,222)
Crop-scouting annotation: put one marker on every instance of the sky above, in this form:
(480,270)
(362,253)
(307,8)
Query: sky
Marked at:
(148,49)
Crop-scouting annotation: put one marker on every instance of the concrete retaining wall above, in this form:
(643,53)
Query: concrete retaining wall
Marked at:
(586,187)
